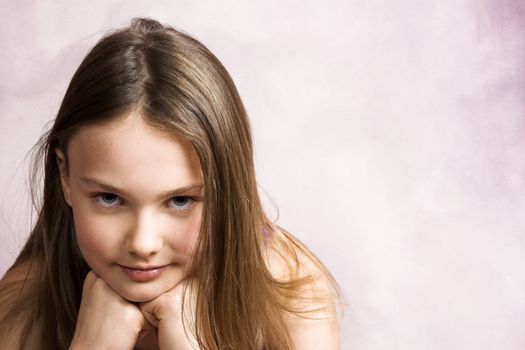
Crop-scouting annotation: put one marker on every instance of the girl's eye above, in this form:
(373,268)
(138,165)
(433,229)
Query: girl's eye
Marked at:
(110,200)
(181,203)
(107,200)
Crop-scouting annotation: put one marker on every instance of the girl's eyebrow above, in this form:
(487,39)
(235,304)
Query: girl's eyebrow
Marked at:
(195,188)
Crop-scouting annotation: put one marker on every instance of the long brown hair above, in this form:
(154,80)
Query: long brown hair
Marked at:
(177,85)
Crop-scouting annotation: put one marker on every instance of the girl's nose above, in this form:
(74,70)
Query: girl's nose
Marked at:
(144,239)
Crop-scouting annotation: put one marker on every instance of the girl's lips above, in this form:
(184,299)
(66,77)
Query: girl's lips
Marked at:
(141,275)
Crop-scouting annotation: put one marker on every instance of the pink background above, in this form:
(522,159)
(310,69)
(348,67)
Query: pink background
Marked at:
(390,135)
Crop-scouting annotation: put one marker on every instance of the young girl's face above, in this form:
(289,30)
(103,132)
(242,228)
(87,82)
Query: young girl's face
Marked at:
(136,195)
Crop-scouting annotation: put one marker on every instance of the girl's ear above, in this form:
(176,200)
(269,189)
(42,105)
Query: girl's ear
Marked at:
(64,174)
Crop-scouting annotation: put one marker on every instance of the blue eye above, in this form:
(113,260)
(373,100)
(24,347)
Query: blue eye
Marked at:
(107,200)
(110,200)
(181,202)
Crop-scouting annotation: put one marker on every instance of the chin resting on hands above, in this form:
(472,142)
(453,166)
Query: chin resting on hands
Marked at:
(108,321)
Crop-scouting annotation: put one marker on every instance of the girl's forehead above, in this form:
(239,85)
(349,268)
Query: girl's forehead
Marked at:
(131,145)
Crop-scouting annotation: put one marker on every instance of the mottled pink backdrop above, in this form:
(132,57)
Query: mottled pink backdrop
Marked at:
(389,134)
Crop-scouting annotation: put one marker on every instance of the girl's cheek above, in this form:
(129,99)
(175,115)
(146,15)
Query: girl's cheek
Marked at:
(192,234)
(96,234)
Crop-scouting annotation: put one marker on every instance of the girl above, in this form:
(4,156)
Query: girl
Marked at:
(151,233)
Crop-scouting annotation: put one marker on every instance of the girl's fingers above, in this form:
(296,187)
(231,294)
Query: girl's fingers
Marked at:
(150,317)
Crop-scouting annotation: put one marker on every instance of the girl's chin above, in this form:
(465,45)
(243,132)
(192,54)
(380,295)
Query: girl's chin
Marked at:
(138,296)
(140,292)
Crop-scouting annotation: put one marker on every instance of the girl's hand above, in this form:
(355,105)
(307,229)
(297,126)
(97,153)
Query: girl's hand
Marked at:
(105,319)
(165,313)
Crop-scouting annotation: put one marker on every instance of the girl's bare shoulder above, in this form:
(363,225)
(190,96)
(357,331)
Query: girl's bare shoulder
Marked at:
(19,281)
(17,301)
(315,325)
(288,259)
